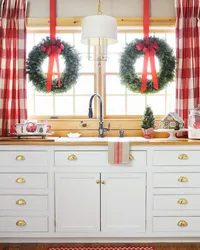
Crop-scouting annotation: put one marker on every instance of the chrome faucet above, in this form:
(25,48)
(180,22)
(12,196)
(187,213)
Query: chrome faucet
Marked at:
(90,115)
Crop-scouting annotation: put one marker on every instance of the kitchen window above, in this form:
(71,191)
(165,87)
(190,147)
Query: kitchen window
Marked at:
(119,102)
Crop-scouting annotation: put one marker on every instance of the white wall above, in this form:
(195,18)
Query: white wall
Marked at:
(76,8)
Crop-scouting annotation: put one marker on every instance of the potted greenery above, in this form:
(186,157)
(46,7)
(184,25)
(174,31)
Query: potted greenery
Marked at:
(148,123)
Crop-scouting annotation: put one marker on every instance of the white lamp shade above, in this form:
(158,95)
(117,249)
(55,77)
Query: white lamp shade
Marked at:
(99,26)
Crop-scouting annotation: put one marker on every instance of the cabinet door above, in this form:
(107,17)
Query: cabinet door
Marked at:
(77,198)
(123,202)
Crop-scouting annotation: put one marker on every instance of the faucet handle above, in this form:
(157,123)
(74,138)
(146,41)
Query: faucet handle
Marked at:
(121,133)
(107,129)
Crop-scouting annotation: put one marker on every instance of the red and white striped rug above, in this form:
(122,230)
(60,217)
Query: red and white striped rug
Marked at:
(104,248)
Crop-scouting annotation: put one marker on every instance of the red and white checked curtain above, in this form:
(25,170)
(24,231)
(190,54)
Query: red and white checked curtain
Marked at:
(188,57)
(13,107)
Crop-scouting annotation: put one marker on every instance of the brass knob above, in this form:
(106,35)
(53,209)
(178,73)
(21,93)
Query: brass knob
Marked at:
(182,201)
(20,180)
(182,157)
(21,202)
(182,223)
(131,157)
(102,182)
(20,158)
(21,223)
(72,158)
(183,179)
(97,181)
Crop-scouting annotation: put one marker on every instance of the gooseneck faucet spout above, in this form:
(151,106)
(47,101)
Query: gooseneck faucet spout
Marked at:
(90,115)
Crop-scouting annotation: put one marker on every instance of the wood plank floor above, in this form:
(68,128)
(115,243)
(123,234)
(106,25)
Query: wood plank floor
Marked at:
(166,246)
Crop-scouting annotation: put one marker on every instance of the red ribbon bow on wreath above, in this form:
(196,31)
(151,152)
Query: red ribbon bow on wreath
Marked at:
(149,49)
(54,49)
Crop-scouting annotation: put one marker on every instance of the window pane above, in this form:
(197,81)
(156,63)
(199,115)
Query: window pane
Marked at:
(81,105)
(118,47)
(135,105)
(132,36)
(115,105)
(68,37)
(112,64)
(170,103)
(30,105)
(44,105)
(29,43)
(85,85)
(86,65)
(113,85)
(78,45)
(64,105)
(157,103)
(39,37)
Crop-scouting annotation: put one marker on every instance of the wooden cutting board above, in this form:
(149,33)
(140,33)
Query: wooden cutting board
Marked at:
(35,139)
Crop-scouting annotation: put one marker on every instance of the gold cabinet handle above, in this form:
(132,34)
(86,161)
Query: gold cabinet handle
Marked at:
(97,181)
(20,158)
(20,180)
(102,182)
(131,157)
(72,158)
(21,202)
(182,223)
(21,223)
(183,179)
(182,201)
(183,157)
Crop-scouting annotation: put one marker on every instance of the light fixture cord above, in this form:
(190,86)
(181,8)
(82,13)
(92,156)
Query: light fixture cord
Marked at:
(99,8)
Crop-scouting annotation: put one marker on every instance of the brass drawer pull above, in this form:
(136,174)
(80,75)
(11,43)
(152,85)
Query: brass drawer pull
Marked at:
(183,179)
(182,223)
(20,180)
(182,201)
(183,157)
(97,181)
(103,182)
(72,158)
(131,157)
(21,223)
(21,202)
(20,158)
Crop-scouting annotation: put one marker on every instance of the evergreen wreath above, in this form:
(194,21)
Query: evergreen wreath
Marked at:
(34,67)
(130,78)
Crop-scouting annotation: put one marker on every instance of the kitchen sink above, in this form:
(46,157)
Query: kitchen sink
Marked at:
(99,139)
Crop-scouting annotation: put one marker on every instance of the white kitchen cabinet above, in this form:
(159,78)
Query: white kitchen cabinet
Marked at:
(70,193)
(123,202)
(78,202)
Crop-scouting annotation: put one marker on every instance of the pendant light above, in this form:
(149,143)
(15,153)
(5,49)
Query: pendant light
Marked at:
(100,31)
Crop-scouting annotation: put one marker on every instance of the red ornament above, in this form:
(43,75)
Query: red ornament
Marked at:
(31,127)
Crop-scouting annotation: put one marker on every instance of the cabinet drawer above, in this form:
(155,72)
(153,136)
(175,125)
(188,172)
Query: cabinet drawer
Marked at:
(185,180)
(23,202)
(24,158)
(94,158)
(176,158)
(23,224)
(23,181)
(176,224)
(176,202)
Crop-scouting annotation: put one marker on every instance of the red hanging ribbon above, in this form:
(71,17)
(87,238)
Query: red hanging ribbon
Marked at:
(149,49)
(53,49)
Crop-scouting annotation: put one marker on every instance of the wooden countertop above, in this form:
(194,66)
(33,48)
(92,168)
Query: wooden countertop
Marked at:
(50,141)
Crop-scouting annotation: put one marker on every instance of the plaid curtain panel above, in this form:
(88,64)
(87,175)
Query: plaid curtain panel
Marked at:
(188,57)
(13,107)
